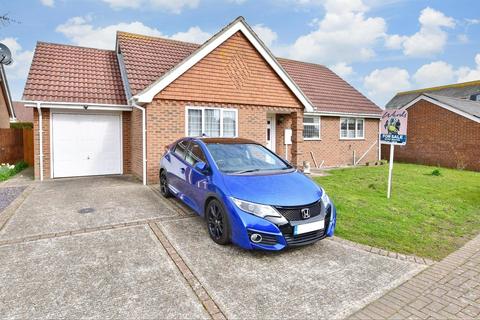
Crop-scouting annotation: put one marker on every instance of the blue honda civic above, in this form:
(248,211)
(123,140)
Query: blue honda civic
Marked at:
(247,194)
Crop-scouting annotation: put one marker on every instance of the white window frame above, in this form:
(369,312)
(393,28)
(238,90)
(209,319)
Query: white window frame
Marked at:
(313,124)
(356,123)
(203,119)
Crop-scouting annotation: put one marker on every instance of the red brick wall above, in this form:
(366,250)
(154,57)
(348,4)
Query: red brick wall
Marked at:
(136,143)
(127,146)
(439,137)
(46,143)
(232,73)
(337,152)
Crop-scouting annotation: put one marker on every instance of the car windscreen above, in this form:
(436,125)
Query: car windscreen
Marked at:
(239,158)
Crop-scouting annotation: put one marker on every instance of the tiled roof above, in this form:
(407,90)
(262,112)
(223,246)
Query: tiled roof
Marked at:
(326,90)
(148,58)
(64,73)
(468,106)
(457,90)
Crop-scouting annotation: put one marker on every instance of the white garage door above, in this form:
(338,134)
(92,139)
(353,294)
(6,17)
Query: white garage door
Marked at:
(86,144)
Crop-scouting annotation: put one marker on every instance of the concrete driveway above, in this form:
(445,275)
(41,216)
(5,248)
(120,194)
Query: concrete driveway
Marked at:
(108,247)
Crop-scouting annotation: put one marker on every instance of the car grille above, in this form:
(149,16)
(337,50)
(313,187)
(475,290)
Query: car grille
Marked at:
(305,238)
(295,213)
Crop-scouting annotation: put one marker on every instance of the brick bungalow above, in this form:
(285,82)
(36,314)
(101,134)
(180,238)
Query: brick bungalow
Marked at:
(443,126)
(113,112)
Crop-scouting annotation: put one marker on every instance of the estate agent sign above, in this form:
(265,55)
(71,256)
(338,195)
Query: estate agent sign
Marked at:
(393,131)
(393,127)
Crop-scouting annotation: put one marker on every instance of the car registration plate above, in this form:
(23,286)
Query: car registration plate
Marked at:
(308,227)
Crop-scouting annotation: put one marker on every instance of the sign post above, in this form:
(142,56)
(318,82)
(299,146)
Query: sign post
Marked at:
(393,131)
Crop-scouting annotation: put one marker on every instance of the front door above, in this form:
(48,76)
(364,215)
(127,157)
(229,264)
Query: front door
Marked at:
(271,132)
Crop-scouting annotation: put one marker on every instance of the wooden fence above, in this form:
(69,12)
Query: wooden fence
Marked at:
(16,145)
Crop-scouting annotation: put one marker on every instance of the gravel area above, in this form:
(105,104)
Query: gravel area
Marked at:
(8,194)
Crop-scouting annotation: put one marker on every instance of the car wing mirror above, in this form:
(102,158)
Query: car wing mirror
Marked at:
(200,166)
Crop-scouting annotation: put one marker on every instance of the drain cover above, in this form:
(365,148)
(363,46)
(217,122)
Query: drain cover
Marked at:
(86,210)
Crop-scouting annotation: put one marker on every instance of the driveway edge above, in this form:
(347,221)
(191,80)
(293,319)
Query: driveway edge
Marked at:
(385,253)
(208,303)
(9,211)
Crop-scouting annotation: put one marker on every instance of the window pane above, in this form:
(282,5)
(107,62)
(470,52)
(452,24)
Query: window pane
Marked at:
(359,128)
(212,122)
(195,154)
(180,149)
(194,123)
(343,127)
(311,131)
(308,120)
(351,128)
(229,124)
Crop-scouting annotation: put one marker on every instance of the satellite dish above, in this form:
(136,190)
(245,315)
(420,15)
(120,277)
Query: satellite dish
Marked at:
(5,55)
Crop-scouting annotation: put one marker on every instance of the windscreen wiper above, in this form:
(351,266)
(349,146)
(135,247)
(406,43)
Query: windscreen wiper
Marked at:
(247,171)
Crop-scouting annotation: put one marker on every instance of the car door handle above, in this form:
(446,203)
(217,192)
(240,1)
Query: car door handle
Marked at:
(182,170)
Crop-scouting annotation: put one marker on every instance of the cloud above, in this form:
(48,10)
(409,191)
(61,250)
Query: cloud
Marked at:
(17,71)
(175,6)
(344,34)
(267,35)
(342,69)
(382,84)
(467,74)
(429,40)
(434,74)
(48,3)
(80,31)
(194,34)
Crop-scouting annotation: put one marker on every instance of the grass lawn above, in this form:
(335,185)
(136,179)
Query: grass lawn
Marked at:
(6,172)
(427,215)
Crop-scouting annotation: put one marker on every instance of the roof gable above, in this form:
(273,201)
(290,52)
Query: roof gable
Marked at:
(234,72)
(239,25)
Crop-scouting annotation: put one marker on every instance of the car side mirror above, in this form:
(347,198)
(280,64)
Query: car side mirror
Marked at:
(200,166)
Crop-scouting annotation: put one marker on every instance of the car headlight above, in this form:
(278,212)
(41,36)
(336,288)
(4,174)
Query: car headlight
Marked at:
(260,210)
(325,198)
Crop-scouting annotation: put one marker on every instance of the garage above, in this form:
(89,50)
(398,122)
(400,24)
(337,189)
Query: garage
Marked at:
(86,143)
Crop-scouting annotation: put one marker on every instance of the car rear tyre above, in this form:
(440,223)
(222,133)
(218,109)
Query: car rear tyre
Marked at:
(217,222)
(164,190)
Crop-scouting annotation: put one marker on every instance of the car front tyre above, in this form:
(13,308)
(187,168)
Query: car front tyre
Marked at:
(164,190)
(217,222)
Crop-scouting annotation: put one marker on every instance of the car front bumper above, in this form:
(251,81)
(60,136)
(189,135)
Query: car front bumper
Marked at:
(275,237)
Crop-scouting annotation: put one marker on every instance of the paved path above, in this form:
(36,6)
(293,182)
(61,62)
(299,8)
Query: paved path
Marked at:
(450,289)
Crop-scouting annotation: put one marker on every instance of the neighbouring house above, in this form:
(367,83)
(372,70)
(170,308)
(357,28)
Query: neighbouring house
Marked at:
(102,112)
(7,113)
(443,126)
(22,113)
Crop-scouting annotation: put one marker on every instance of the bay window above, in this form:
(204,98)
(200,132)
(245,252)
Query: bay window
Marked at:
(311,127)
(352,128)
(213,122)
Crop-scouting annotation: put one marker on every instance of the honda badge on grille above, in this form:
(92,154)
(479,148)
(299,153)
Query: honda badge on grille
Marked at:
(305,213)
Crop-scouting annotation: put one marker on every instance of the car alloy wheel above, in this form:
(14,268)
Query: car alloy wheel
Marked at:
(217,222)
(164,190)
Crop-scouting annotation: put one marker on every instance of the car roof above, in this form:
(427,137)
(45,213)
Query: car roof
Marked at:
(226,140)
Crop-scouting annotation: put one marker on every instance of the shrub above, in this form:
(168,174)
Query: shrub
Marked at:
(435,172)
(9,170)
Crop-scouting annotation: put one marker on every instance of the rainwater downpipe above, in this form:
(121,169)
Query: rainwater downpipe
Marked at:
(144,142)
(40,137)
